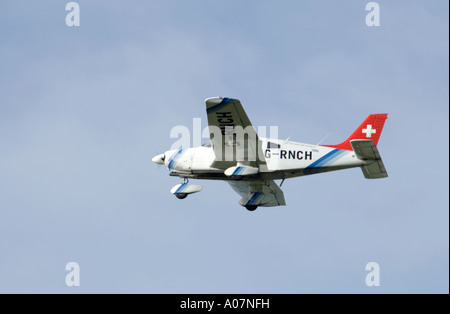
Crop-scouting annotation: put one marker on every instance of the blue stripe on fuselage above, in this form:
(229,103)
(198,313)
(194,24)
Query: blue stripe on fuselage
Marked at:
(174,158)
(323,161)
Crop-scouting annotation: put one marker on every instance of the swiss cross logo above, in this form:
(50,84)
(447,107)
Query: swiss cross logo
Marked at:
(369,131)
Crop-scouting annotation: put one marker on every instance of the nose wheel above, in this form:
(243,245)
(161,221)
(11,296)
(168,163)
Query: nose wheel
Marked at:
(181,191)
(181,196)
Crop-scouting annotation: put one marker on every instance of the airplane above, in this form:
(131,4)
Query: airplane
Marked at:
(250,164)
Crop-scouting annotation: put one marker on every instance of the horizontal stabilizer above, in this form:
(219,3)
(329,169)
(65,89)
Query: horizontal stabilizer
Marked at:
(367,151)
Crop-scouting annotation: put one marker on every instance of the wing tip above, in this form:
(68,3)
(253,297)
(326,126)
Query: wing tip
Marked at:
(214,101)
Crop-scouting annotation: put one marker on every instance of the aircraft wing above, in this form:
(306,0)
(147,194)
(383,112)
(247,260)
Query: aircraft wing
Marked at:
(226,118)
(367,150)
(257,192)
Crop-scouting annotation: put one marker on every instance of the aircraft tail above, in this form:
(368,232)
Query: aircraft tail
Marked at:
(370,129)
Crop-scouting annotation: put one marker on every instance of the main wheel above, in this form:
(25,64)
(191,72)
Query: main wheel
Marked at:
(181,195)
(251,207)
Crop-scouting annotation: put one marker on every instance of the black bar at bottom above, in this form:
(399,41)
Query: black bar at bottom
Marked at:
(231,303)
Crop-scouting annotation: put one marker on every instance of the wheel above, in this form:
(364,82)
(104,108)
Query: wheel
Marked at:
(181,195)
(237,178)
(251,207)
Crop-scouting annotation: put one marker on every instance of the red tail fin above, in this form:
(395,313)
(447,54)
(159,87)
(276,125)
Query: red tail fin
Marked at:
(370,129)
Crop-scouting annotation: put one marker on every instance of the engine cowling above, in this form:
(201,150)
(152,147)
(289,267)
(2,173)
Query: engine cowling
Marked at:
(179,160)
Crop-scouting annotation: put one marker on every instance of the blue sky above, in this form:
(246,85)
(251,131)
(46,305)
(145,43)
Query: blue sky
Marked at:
(83,110)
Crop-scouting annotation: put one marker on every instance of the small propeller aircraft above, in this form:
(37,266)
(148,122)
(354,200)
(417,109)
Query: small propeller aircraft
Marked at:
(250,164)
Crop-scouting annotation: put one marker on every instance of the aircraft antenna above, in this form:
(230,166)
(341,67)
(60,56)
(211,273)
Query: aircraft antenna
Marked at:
(323,138)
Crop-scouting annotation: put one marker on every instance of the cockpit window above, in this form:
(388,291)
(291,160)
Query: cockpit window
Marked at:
(272,145)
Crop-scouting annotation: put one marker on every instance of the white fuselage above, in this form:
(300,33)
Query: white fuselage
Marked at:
(284,159)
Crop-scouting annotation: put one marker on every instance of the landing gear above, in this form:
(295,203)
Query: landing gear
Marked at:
(181,191)
(182,196)
(251,207)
